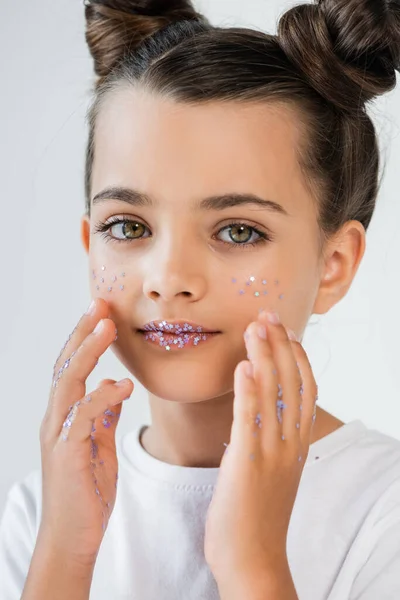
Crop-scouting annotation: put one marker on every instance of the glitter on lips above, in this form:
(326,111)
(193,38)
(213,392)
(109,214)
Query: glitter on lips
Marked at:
(181,341)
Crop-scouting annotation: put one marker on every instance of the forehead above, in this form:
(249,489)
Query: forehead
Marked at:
(159,145)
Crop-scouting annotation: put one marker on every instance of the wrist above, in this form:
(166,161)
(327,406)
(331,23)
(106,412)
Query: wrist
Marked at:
(54,573)
(259,584)
(244,588)
(55,550)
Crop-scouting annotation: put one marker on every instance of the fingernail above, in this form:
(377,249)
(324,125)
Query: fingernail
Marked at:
(247,333)
(291,335)
(91,308)
(249,370)
(122,382)
(273,318)
(99,327)
(262,332)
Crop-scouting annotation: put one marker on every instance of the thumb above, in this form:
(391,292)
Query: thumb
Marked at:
(109,420)
(106,382)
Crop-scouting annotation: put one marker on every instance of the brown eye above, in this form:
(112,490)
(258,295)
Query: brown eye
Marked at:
(240,233)
(241,236)
(128,230)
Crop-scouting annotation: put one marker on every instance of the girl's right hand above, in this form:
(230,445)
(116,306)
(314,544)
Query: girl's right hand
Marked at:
(77,438)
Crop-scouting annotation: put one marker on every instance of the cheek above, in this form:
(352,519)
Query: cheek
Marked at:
(258,291)
(249,295)
(255,292)
(108,281)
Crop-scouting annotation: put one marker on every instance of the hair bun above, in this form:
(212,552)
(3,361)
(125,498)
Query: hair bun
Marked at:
(114,27)
(348,50)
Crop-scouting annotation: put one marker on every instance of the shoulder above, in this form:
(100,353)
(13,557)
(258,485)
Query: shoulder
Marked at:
(24,499)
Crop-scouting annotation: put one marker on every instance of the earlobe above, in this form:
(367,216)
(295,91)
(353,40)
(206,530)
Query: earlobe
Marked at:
(346,251)
(85,232)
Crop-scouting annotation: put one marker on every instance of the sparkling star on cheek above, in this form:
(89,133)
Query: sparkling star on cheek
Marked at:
(107,287)
(251,281)
(255,288)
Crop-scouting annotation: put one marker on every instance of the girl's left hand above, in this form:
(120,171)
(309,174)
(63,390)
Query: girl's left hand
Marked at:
(248,518)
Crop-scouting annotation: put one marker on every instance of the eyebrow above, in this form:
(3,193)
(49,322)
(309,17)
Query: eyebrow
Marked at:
(136,198)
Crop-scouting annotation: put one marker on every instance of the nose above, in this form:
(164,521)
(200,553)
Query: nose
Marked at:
(175,267)
(168,279)
(168,285)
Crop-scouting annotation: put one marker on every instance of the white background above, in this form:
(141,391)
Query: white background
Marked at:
(46,78)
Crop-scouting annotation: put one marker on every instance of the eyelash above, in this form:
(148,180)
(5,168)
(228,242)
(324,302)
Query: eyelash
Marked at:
(102,227)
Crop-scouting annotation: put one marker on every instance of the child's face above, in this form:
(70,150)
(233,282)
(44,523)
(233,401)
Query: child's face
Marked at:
(173,263)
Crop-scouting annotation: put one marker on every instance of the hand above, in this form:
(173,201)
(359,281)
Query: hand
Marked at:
(248,519)
(77,438)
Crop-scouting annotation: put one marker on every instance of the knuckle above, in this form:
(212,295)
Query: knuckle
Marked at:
(76,382)
(293,457)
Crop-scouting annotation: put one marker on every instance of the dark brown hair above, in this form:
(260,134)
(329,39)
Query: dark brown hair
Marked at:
(328,59)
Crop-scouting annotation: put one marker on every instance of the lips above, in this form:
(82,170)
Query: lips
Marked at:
(172,341)
(177,327)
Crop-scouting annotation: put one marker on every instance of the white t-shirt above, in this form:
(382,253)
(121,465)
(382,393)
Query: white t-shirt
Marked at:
(343,541)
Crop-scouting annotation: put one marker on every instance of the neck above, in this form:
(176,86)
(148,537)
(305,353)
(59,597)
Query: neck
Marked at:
(193,435)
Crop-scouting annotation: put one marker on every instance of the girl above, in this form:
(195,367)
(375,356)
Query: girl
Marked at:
(227,172)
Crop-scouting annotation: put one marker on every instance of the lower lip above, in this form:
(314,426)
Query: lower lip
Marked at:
(170,341)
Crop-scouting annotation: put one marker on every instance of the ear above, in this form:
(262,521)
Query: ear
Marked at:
(342,256)
(85,232)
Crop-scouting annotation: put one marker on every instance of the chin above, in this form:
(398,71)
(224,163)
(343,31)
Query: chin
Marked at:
(185,389)
(186,376)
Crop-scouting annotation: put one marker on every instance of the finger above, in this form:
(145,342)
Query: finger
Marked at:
(78,426)
(107,420)
(308,392)
(245,409)
(265,375)
(289,379)
(86,324)
(104,382)
(72,384)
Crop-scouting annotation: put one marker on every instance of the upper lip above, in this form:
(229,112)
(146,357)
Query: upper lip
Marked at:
(176,326)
